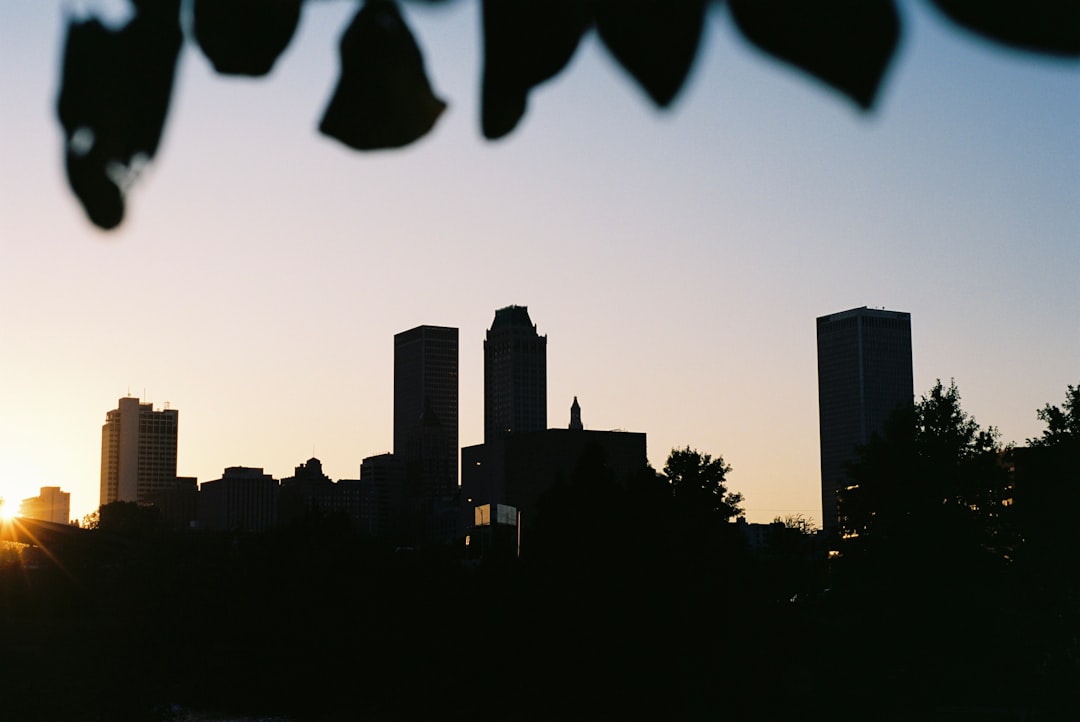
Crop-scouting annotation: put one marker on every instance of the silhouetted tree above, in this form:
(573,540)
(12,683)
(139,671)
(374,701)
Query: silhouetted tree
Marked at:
(1048,489)
(930,487)
(797,522)
(1047,494)
(698,483)
(126,518)
(1062,423)
(927,569)
(117,84)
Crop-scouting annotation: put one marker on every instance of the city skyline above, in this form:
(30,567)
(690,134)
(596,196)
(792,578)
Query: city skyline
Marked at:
(675,259)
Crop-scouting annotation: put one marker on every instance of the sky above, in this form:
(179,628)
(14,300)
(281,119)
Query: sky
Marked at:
(676,259)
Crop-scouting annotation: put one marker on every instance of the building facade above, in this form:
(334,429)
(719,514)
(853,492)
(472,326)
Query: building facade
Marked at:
(425,427)
(517,469)
(864,375)
(384,474)
(425,397)
(243,499)
(515,375)
(138,451)
(51,504)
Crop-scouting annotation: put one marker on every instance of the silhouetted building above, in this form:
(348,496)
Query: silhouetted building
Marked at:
(310,493)
(243,499)
(516,469)
(426,425)
(307,491)
(515,375)
(138,451)
(575,417)
(51,504)
(864,375)
(179,504)
(426,396)
(385,475)
(357,499)
(493,533)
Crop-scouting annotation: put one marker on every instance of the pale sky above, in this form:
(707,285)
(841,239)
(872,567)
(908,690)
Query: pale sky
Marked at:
(676,260)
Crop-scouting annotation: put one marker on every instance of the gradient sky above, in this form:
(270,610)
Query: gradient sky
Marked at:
(676,260)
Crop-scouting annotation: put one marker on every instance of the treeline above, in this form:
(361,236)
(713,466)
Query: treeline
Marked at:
(954,596)
(959,556)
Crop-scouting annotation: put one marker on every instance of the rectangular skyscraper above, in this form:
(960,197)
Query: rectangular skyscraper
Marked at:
(864,375)
(515,375)
(426,405)
(138,451)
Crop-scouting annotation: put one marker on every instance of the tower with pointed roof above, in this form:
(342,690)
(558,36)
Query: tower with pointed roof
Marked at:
(575,416)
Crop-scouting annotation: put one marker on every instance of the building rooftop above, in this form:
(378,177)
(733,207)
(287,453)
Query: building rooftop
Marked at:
(512,316)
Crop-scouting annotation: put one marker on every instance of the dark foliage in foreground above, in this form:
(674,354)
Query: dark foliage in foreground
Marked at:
(117,83)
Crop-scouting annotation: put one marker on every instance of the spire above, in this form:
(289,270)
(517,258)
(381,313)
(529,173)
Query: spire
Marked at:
(575,416)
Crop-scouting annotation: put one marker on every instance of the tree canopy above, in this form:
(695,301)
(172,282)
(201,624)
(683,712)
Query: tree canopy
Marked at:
(930,486)
(116,84)
(1062,422)
(698,484)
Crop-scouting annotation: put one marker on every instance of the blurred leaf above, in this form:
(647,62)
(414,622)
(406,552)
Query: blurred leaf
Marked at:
(114,97)
(245,37)
(1049,26)
(846,43)
(383,98)
(525,43)
(655,40)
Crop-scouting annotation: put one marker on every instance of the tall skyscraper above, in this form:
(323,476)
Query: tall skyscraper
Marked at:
(426,405)
(515,375)
(138,451)
(864,375)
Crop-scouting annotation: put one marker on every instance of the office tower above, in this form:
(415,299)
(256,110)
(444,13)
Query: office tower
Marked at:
(864,375)
(515,375)
(138,451)
(426,407)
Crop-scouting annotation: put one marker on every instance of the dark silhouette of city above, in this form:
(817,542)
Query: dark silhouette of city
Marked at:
(583,584)
(564,578)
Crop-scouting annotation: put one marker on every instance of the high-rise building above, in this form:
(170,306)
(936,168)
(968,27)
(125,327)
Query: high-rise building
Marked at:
(426,406)
(864,375)
(515,375)
(138,451)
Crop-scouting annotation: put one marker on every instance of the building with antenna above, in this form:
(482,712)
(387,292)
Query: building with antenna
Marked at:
(138,451)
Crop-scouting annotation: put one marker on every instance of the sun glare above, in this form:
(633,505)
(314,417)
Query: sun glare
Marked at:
(8,511)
